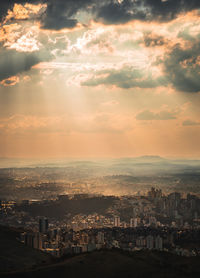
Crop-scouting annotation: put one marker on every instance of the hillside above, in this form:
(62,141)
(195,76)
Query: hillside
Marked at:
(118,264)
(16,256)
(17,260)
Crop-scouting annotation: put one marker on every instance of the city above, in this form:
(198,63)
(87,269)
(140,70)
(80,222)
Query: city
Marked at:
(154,221)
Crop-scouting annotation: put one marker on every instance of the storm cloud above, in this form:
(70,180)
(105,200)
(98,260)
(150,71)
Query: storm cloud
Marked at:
(118,12)
(61,14)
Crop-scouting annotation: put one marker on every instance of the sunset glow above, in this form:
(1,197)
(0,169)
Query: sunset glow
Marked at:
(85,83)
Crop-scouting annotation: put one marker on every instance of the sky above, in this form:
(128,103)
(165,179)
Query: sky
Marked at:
(109,78)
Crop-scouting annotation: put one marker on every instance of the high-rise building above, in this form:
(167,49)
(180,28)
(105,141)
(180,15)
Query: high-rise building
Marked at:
(29,239)
(117,221)
(174,200)
(150,242)
(100,238)
(140,242)
(158,243)
(84,238)
(134,222)
(37,241)
(154,194)
(152,221)
(43,225)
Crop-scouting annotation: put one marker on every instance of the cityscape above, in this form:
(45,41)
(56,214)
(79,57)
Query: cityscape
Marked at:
(156,221)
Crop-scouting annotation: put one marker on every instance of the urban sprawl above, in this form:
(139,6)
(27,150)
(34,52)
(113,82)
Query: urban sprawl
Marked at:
(157,221)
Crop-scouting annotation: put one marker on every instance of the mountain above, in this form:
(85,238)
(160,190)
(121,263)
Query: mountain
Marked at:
(151,158)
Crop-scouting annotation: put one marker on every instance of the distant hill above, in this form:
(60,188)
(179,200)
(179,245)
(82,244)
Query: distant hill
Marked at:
(151,158)
(15,256)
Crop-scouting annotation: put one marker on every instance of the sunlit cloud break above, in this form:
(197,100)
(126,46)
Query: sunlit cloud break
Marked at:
(99,78)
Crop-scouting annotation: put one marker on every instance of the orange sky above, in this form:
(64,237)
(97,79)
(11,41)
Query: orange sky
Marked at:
(99,90)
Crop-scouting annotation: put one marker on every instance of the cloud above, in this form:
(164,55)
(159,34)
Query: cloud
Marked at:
(81,123)
(49,22)
(11,81)
(26,43)
(61,14)
(24,12)
(18,123)
(190,123)
(152,40)
(118,12)
(9,4)
(148,115)
(110,103)
(115,12)
(125,77)
(58,13)
(182,67)
(13,62)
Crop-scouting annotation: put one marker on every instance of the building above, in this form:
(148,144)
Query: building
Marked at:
(117,221)
(140,242)
(150,242)
(158,243)
(37,241)
(152,221)
(29,239)
(134,222)
(100,238)
(43,225)
(75,226)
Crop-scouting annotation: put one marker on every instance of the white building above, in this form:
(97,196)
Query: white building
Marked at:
(117,221)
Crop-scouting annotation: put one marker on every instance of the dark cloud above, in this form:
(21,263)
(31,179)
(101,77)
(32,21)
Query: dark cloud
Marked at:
(147,115)
(127,77)
(169,9)
(182,68)
(117,13)
(5,5)
(13,62)
(146,10)
(51,24)
(63,13)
